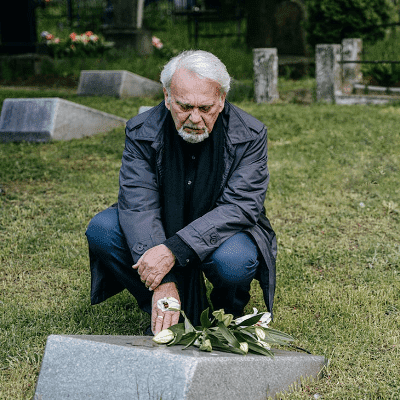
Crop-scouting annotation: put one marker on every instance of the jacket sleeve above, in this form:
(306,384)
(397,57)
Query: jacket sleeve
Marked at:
(138,199)
(240,203)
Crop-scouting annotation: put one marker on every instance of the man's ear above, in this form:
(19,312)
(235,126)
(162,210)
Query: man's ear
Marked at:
(222,98)
(166,100)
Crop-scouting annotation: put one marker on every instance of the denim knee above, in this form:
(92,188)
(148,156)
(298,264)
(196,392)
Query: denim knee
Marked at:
(236,260)
(101,230)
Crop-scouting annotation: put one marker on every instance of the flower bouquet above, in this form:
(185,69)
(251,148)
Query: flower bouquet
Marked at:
(86,44)
(247,334)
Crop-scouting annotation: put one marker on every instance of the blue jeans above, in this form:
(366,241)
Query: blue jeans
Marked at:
(230,268)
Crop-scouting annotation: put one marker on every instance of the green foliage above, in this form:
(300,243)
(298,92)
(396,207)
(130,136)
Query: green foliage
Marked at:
(330,21)
(221,332)
(385,49)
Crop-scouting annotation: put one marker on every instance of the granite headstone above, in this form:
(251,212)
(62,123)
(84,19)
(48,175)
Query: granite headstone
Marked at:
(134,367)
(328,72)
(265,65)
(118,84)
(44,119)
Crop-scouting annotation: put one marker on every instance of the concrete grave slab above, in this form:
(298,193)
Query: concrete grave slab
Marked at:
(143,109)
(134,367)
(117,83)
(44,119)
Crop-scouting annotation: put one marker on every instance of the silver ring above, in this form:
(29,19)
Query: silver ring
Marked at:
(160,316)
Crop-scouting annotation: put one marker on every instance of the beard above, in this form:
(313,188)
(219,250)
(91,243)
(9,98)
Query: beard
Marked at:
(193,137)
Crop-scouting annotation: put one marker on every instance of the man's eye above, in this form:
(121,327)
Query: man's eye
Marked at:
(205,109)
(185,107)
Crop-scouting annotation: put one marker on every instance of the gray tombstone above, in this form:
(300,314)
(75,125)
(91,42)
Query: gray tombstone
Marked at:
(118,84)
(44,119)
(143,109)
(328,72)
(126,29)
(351,51)
(265,65)
(134,367)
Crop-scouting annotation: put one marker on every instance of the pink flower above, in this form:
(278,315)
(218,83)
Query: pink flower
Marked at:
(156,42)
(89,33)
(73,36)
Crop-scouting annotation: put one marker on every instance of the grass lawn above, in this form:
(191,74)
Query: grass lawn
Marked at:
(334,201)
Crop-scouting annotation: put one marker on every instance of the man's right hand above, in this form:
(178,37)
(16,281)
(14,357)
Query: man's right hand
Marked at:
(162,320)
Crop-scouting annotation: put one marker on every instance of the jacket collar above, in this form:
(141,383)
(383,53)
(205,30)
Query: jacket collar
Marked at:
(241,127)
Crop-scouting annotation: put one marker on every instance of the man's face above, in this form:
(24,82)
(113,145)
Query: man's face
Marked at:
(195,103)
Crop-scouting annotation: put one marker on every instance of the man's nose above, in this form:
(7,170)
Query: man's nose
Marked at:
(195,116)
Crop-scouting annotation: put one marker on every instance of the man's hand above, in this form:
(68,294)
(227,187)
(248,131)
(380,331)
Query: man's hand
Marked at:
(154,264)
(162,320)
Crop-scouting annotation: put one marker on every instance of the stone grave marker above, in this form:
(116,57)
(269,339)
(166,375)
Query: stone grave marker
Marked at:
(44,119)
(351,51)
(265,65)
(328,72)
(134,367)
(143,109)
(117,83)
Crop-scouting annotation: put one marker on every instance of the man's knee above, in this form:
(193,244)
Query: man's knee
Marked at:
(236,260)
(102,228)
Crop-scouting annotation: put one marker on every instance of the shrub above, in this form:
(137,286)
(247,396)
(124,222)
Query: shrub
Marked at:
(330,21)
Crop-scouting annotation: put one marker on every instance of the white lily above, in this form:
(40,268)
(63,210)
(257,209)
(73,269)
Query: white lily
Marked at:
(264,320)
(264,344)
(260,333)
(168,304)
(164,337)
(244,347)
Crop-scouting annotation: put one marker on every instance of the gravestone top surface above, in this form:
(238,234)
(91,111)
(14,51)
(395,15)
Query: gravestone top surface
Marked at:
(134,367)
(43,119)
(117,83)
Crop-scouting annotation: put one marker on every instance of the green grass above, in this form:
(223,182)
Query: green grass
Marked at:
(334,201)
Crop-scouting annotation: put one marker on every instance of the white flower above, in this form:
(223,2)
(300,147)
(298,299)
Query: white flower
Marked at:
(206,345)
(260,333)
(244,347)
(163,337)
(264,344)
(264,320)
(168,304)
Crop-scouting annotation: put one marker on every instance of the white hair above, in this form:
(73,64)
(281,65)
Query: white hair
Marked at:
(202,63)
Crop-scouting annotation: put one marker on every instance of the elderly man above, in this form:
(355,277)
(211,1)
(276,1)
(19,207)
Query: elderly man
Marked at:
(192,185)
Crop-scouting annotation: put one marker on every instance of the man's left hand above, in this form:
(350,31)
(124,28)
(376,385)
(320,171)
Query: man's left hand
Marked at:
(154,264)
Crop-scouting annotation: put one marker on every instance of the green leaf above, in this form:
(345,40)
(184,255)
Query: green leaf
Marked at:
(188,326)
(204,319)
(252,320)
(196,336)
(277,336)
(177,339)
(255,348)
(228,336)
(187,338)
(178,328)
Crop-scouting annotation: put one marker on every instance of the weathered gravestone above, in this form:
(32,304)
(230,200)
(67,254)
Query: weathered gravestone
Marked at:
(117,83)
(43,119)
(134,367)
(351,51)
(143,109)
(328,72)
(126,28)
(265,65)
